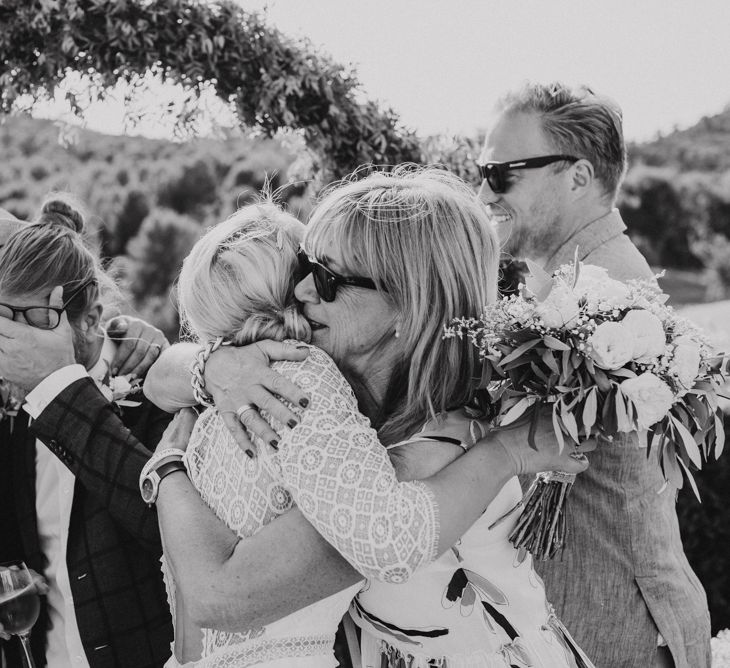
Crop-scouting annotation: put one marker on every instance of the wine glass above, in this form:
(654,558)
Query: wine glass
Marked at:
(19,604)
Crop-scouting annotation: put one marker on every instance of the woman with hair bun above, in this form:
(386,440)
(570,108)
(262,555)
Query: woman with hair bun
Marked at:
(388,260)
(79,520)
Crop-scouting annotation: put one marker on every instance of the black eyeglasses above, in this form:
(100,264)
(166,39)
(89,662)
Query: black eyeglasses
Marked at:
(43,317)
(326,281)
(496,172)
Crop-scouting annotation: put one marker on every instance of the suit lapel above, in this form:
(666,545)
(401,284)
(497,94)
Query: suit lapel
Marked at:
(24,477)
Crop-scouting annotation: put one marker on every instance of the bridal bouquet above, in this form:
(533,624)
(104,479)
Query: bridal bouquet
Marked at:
(606,358)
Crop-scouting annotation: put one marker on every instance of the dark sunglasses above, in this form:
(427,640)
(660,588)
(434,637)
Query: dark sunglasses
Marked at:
(326,281)
(495,173)
(43,317)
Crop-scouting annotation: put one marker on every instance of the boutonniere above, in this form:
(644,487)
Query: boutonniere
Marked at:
(118,389)
(10,400)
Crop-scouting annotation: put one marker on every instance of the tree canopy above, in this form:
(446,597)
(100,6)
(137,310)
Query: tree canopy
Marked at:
(272,81)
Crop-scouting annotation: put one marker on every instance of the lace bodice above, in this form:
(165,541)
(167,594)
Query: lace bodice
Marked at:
(334,468)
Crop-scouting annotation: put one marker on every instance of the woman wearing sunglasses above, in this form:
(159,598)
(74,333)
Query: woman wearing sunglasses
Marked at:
(389,260)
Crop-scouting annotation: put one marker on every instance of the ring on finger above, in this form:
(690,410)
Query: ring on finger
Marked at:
(242,410)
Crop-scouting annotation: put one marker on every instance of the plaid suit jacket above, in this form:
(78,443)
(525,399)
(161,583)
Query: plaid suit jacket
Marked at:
(114,545)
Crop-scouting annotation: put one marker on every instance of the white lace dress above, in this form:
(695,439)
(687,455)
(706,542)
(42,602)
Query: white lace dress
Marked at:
(335,470)
(479,605)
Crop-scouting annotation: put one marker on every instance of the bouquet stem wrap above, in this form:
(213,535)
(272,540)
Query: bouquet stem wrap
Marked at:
(541,528)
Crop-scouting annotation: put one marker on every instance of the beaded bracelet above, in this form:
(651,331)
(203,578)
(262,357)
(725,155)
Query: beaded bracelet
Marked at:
(202,396)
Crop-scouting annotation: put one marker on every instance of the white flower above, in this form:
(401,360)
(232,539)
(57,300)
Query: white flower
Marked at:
(686,360)
(721,650)
(595,284)
(610,346)
(651,397)
(117,388)
(120,386)
(560,308)
(647,334)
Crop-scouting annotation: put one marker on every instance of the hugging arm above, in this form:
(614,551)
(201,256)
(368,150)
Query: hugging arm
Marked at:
(167,384)
(231,583)
(219,566)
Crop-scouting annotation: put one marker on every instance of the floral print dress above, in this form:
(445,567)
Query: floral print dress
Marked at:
(479,605)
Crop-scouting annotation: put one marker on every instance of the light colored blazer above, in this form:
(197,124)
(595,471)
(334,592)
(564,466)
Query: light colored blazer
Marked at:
(624,577)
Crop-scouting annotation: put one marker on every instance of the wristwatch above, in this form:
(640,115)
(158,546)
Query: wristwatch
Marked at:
(160,465)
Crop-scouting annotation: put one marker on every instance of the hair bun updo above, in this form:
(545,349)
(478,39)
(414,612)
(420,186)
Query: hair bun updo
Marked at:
(60,209)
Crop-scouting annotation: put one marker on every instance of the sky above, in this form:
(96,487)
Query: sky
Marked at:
(442,64)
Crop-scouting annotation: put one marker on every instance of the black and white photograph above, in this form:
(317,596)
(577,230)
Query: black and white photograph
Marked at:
(378,334)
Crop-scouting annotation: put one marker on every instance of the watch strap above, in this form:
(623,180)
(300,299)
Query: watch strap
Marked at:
(167,468)
(156,459)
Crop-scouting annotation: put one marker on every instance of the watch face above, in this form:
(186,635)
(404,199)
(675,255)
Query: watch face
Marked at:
(148,490)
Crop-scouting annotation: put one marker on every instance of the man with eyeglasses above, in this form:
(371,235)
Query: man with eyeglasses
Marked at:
(551,168)
(64,514)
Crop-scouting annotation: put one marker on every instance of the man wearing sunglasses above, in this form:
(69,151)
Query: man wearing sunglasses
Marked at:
(551,168)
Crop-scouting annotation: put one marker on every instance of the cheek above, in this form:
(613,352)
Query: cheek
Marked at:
(358,325)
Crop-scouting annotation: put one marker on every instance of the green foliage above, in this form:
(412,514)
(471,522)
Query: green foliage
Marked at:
(703,147)
(124,222)
(126,181)
(164,240)
(192,187)
(271,81)
(652,206)
(706,534)
(457,153)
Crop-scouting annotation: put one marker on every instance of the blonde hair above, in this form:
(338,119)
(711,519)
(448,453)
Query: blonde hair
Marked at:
(577,122)
(52,251)
(238,280)
(424,237)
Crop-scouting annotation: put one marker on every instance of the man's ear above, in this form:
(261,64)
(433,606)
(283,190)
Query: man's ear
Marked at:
(91,322)
(582,175)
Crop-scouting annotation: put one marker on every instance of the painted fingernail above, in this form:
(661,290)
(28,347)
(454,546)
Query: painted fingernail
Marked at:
(274,443)
(291,424)
(304,402)
(249,453)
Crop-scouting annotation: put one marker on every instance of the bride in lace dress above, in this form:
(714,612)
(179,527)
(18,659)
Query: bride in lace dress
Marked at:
(236,284)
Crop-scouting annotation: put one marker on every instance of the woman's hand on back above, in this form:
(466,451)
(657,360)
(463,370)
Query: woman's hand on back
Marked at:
(240,377)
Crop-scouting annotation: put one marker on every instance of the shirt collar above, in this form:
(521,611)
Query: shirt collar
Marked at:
(587,239)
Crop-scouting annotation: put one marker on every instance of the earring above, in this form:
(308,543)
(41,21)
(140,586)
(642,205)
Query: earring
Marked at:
(397,334)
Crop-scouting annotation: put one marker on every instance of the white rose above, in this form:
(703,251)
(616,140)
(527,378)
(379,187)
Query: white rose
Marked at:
(596,285)
(686,360)
(647,333)
(610,346)
(560,308)
(651,397)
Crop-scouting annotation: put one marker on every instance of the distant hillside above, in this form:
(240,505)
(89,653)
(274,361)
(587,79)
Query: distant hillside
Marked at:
(703,147)
(97,167)
(147,200)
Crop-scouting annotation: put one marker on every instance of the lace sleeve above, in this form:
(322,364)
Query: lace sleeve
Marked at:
(342,479)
